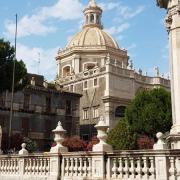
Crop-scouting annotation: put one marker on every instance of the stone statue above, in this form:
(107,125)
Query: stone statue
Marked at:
(156,71)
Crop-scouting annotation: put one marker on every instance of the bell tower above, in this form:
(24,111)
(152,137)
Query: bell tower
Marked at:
(93,15)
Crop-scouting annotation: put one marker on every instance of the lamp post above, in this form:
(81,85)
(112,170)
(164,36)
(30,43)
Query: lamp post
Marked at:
(12,91)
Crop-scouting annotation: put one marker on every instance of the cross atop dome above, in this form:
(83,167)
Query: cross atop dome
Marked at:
(93,14)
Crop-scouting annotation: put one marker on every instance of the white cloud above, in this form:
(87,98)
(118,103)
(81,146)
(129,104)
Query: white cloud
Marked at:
(108,6)
(35,24)
(30,56)
(128,12)
(119,29)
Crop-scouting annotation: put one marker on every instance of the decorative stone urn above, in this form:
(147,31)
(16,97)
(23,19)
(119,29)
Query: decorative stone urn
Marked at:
(59,138)
(160,145)
(23,151)
(102,136)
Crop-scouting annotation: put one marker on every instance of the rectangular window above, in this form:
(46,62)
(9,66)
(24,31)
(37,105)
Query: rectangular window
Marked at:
(68,107)
(48,104)
(85,85)
(95,112)
(71,88)
(85,114)
(26,101)
(95,82)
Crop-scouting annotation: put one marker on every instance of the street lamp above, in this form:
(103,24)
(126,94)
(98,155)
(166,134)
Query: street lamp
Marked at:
(12,92)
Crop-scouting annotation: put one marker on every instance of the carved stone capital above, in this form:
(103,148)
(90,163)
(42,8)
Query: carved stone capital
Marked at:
(168,22)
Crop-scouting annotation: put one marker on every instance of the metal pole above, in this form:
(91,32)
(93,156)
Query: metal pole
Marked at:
(12,93)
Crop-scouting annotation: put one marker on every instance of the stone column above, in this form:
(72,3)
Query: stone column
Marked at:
(173,28)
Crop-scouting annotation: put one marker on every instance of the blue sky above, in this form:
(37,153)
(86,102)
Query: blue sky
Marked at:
(45,26)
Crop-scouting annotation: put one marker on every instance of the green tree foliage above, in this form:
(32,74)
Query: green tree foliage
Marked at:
(31,145)
(7,55)
(121,137)
(150,112)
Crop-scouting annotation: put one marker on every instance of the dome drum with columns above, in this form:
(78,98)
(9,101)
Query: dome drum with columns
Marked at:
(93,65)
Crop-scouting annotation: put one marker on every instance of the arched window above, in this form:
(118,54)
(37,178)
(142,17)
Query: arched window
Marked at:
(92,18)
(120,111)
(66,71)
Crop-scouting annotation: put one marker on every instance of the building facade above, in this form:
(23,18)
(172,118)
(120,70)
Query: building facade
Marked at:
(37,109)
(94,65)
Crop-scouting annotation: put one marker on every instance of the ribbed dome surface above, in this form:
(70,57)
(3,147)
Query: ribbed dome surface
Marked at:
(92,36)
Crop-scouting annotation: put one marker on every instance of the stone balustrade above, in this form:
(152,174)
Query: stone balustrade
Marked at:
(119,165)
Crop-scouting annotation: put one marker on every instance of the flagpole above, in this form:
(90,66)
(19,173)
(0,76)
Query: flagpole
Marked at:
(12,93)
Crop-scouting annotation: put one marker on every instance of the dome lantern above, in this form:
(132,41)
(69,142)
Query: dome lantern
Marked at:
(93,15)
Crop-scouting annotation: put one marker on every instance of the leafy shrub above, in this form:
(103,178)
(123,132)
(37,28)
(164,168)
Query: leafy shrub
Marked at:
(121,137)
(145,142)
(31,145)
(74,144)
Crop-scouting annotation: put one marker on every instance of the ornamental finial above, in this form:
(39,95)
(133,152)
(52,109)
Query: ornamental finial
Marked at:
(92,3)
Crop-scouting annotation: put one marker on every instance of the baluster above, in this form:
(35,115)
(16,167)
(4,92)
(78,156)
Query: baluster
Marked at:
(40,166)
(33,166)
(89,167)
(114,168)
(80,169)
(172,169)
(145,168)
(29,166)
(84,167)
(17,166)
(120,168)
(10,166)
(177,167)
(66,160)
(0,165)
(75,167)
(44,166)
(37,165)
(152,168)
(7,167)
(71,167)
(3,166)
(48,166)
(13,166)
(138,168)
(126,168)
(132,168)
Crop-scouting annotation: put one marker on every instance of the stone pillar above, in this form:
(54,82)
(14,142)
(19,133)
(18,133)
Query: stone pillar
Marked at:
(173,28)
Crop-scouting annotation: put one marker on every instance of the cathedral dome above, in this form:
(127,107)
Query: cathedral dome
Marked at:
(92,36)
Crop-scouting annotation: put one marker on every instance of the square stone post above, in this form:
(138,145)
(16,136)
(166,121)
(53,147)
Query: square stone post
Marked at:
(55,167)
(98,166)
(173,28)
(161,161)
